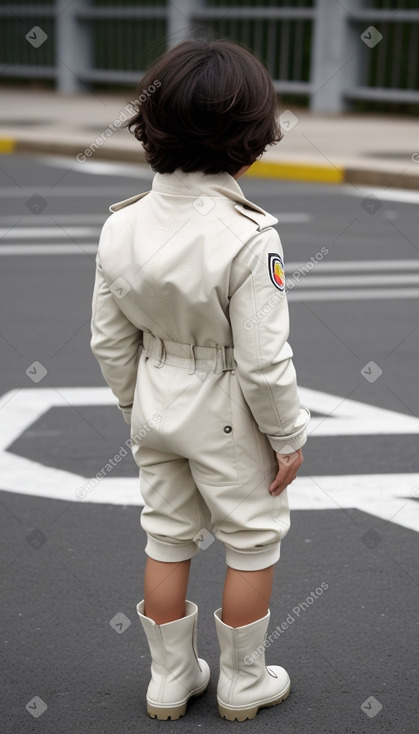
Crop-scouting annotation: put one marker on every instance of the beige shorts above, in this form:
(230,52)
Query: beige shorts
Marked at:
(205,467)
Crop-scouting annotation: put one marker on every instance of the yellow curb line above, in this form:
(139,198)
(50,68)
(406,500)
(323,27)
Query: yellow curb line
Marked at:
(7,145)
(297,171)
(259,169)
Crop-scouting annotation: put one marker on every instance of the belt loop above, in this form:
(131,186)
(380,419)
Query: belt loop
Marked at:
(193,361)
(162,356)
(221,354)
(231,361)
(146,342)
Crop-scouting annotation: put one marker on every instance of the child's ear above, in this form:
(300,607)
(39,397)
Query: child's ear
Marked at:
(241,171)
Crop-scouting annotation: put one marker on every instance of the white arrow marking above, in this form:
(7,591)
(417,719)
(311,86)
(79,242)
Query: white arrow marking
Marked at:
(344,417)
(387,496)
(390,497)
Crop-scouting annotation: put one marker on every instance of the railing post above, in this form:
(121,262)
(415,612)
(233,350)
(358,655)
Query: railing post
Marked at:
(179,20)
(336,56)
(72,46)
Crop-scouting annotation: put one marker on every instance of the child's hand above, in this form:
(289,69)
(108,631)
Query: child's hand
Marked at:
(289,465)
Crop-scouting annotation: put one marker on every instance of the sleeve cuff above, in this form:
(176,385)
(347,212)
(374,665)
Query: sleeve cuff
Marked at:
(293,442)
(126,414)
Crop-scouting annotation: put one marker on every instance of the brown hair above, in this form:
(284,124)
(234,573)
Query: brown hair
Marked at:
(205,106)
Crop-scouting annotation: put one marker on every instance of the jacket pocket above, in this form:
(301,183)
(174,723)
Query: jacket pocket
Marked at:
(255,458)
(212,442)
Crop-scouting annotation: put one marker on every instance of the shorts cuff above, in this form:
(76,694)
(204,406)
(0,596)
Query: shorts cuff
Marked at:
(253,560)
(160,550)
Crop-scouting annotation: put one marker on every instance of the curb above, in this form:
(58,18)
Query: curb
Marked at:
(386,179)
(313,173)
(310,173)
(7,145)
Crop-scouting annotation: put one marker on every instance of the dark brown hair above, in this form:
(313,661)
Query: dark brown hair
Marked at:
(205,106)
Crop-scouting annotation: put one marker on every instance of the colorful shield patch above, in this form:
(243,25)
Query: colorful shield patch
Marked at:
(276,271)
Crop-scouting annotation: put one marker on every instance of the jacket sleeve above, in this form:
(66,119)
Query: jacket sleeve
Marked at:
(116,343)
(260,326)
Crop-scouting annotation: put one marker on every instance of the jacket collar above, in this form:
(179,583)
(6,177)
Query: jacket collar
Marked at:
(198,183)
(194,184)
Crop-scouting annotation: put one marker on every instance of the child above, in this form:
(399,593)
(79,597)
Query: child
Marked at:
(190,325)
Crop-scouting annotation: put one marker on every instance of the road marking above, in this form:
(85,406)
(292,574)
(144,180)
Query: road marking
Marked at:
(41,220)
(314,281)
(314,172)
(388,496)
(318,287)
(139,171)
(7,145)
(339,416)
(293,217)
(63,249)
(67,191)
(307,293)
(403,195)
(343,265)
(294,170)
(44,233)
(354,294)
(50,232)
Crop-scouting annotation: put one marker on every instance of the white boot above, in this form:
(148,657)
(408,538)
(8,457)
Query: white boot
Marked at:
(245,685)
(176,671)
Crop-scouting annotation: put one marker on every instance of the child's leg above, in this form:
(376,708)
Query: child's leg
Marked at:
(165,587)
(246,595)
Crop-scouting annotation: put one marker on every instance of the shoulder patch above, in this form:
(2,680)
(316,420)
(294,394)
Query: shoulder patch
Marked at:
(276,270)
(261,218)
(126,202)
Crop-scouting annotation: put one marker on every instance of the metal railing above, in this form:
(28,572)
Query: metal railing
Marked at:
(332,54)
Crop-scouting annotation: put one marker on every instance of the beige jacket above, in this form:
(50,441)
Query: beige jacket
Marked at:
(193,261)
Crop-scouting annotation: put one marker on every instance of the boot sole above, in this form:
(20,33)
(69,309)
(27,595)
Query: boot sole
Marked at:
(173,712)
(249,713)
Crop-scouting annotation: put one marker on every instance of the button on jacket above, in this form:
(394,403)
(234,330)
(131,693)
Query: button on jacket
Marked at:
(194,262)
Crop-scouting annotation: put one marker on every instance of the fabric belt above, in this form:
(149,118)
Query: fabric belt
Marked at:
(218,358)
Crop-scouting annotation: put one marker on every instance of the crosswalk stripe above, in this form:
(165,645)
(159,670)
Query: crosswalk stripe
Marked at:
(316,281)
(357,294)
(353,265)
(293,217)
(44,220)
(314,285)
(63,249)
(405,196)
(68,192)
(44,233)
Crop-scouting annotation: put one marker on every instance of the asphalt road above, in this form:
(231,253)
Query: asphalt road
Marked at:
(69,567)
